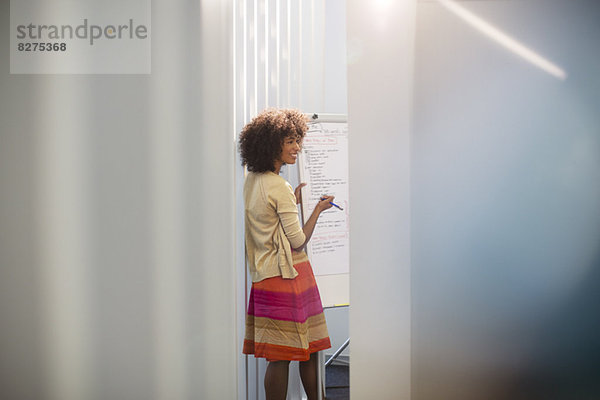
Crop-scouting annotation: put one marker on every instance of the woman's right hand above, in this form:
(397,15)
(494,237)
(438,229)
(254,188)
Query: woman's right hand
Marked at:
(325,203)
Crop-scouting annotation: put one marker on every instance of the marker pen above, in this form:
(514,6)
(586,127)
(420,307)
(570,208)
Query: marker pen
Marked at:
(333,204)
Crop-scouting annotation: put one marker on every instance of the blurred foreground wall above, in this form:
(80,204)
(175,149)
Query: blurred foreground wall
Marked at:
(117,277)
(506,202)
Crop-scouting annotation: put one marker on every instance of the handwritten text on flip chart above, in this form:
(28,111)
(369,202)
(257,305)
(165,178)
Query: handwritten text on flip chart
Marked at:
(325,170)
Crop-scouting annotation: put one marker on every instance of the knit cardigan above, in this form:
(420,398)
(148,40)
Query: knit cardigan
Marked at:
(272,226)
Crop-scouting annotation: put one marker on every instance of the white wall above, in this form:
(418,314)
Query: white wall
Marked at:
(505,195)
(117,222)
(490,180)
(502,223)
(380,49)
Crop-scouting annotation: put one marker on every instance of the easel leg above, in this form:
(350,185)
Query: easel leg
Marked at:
(320,378)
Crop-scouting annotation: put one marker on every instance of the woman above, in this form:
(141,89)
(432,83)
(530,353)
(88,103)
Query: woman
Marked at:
(285,320)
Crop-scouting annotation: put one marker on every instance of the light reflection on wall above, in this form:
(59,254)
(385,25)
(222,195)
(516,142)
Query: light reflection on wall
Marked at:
(503,39)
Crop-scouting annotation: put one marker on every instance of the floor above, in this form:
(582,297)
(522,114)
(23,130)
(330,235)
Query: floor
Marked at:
(337,381)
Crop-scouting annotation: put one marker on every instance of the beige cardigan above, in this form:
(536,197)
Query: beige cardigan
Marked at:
(272,226)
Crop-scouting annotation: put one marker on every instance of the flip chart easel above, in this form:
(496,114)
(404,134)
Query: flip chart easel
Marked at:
(323,166)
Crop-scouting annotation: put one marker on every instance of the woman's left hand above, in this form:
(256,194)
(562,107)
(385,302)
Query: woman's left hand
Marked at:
(298,193)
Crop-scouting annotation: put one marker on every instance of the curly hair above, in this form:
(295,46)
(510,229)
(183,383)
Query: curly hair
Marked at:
(261,140)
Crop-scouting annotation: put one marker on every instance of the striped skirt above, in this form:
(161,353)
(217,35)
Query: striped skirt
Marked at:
(285,318)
